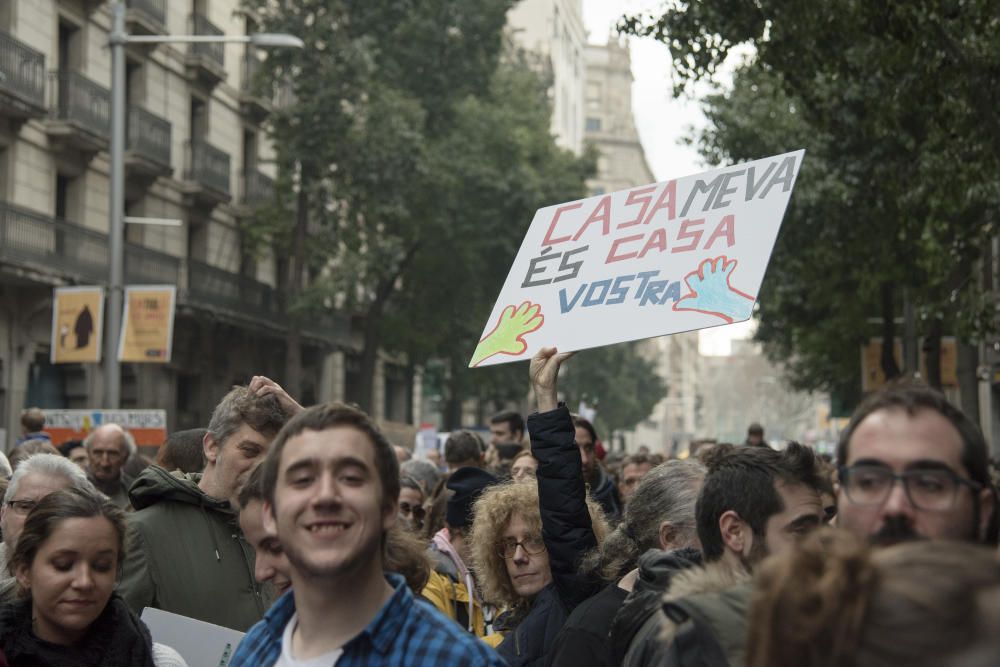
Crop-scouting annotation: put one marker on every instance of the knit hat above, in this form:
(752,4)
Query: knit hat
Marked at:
(467,483)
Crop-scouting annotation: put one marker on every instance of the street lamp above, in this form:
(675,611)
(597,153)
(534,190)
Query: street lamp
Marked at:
(119,38)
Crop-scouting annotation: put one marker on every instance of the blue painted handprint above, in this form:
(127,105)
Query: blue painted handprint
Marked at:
(712,293)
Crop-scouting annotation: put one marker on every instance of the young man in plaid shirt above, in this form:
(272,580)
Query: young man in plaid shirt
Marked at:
(332,483)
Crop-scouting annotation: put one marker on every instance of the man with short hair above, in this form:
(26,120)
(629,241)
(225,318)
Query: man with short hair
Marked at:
(507,426)
(600,484)
(634,468)
(755,436)
(186,554)
(271,565)
(332,483)
(913,466)
(464,449)
(32,423)
(36,477)
(756,501)
(108,448)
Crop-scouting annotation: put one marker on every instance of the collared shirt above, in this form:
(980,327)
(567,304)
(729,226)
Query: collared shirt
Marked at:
(405,632)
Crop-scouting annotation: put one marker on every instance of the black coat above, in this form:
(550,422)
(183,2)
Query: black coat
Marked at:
(568,534)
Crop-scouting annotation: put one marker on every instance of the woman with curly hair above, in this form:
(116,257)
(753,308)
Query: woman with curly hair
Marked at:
(835,601)
(528,539)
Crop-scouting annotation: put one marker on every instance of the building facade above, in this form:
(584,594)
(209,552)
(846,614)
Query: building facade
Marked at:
(553,30)
(197,152)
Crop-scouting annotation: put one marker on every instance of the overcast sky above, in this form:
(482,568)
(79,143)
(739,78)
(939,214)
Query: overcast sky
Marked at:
(661,119)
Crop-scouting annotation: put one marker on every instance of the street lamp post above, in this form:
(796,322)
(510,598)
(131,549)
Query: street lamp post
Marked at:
(119,38)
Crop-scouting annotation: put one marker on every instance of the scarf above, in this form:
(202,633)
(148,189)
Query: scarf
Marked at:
(117,638)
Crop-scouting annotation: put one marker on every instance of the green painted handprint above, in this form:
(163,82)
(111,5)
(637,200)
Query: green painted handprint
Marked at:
(712,293)
(507,337)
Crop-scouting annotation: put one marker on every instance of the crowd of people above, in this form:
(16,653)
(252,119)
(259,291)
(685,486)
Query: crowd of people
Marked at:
(307,529)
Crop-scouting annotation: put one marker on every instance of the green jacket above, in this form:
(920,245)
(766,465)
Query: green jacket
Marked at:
(186,554)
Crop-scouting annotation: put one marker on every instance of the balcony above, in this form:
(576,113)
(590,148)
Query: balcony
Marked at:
(205,62)
(22,80)
(146,17)
(81,117)
(215,288)
(42,244)
(145,266)
(255,102)
(256,189)
(147,145)
(206,174)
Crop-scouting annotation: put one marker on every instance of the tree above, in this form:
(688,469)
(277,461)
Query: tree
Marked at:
(895,102)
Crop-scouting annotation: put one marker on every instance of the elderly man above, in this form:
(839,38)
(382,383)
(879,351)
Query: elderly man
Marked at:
(108,448)
(38,476)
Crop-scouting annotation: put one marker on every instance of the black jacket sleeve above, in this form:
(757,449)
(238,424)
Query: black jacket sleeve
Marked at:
(562,495)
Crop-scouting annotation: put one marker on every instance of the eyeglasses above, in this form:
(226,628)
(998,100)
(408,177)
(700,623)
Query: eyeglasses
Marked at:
(22,507)
(417,511)
(933,489)
(532,546)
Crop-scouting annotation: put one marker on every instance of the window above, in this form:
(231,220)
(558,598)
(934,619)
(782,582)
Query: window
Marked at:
(593,124)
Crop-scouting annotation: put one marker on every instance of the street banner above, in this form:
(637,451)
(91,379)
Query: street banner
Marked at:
(148,427)
(679,255)
(198,642)
(873,377)
(77,325)
(147,324)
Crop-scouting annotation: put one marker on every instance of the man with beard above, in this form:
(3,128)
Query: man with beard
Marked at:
(755,501)
(186,553)
(913,466)
(332,482)
(600,484)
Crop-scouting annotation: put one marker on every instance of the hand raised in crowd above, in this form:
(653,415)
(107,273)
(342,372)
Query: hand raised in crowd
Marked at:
(262,386)
(544,372)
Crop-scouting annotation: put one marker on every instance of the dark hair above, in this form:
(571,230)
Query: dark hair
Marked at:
(742,479)
(581,422)
(53,509)
(405,553)
(183,450)
(463,446)
(912,397)
(755,429)
(513,419)
(67,447)
(322,418)
(637,460)
(252,489)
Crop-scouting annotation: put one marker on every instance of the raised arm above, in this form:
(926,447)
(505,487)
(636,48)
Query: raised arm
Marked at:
(562,493)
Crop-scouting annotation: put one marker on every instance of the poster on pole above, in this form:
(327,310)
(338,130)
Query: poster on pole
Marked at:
(77,325)
(684,254)
(147,324)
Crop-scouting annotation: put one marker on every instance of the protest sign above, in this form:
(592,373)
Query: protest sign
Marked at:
(675,256)
(77,324)
(147,323)
(148,427)
(198,642)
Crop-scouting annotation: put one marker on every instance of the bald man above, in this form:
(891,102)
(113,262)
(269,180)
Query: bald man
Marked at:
(108,448)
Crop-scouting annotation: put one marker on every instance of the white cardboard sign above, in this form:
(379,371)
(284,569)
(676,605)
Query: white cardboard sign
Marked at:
(198,642)
(679,255)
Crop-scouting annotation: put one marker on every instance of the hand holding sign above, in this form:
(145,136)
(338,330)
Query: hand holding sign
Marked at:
(544,371)
(712,291)
(507,337)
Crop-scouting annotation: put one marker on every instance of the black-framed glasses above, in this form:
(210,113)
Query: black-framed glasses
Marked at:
(933,489)
(417,511)
(532,546)
(22,507)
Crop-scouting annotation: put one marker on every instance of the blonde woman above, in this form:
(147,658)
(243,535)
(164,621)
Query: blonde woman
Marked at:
(528,539)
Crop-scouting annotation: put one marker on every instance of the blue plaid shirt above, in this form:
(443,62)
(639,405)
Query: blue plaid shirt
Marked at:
(405,632)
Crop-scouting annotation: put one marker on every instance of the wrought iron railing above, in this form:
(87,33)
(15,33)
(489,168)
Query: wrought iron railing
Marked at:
(149,135)
(210,285)
(154,9)
(215,52)
(257,188)
(145,266)
(207,165)
(62,247)
(22,70)
(83,102)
